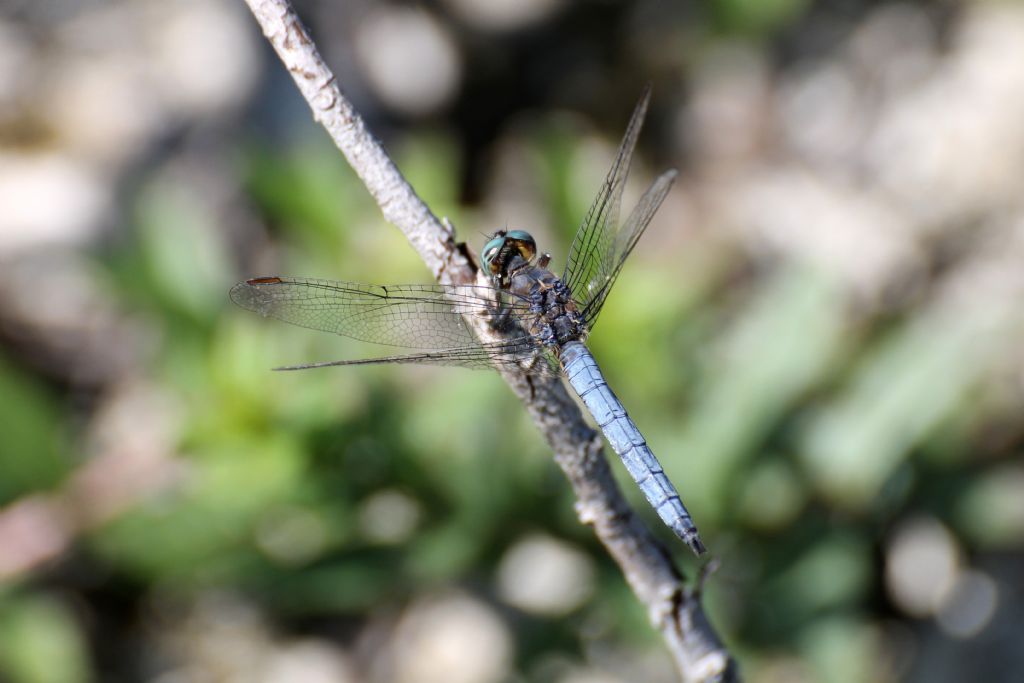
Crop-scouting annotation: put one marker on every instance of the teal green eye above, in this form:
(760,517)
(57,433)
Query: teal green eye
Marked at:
(490,252)
(496,253)
(523,242)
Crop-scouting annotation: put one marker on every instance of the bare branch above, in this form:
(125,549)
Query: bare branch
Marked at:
(674,609)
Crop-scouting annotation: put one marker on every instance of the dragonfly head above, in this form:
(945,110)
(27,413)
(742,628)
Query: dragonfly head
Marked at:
(499,254)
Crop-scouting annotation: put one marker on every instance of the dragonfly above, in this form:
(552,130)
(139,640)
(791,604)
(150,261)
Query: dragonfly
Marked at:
(533,321)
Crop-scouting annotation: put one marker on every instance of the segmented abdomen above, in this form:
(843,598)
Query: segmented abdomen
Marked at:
(626,440)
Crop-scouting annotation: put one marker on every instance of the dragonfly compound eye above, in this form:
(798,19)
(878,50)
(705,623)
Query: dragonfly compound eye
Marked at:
(491,253)
(524,243)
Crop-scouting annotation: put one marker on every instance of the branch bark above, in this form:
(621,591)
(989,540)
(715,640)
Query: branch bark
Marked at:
(674,608)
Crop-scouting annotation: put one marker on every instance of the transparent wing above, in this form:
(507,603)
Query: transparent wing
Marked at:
(625,239)
(596,234)
(601,245)
(428,319)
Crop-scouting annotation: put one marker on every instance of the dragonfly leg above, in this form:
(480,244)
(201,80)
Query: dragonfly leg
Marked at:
(501,316)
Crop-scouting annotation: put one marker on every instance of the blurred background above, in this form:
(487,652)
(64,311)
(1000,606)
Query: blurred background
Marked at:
(820,335)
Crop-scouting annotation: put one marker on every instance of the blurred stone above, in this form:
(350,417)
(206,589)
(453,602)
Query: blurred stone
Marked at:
(829,108)
(291,535)
(222,637)
(990,273)
(895,47)
(589,676)
(125,72)
(855,236)
(204,56)
(724,123)
(219,636)
(543,575)
(450,639)
(992,508)
(922,567)
(101,109)
(389,517)
(503,15)
(86,96)
(408,58)
(54,305)
(309,661)
(49,199)
(971,606)
(15,66)
(954,147)
(823,114)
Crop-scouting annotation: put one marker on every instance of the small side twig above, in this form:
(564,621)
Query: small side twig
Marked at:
(675,610)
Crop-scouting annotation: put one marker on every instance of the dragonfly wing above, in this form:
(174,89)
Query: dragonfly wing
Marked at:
(428,319)
(596,235)
(625,239)
(425,317)
(519,353)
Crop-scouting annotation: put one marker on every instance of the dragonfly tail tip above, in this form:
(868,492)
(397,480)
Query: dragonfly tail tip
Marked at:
(691,538)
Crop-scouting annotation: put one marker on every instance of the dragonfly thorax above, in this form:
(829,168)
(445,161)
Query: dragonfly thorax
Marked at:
(509,259)
(556,319)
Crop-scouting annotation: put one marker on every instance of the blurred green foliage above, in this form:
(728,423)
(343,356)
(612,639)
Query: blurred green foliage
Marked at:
(756,17)
(41,641)
(31,423)
(723,374)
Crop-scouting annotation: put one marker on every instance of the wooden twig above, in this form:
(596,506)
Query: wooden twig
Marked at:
(674,609)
